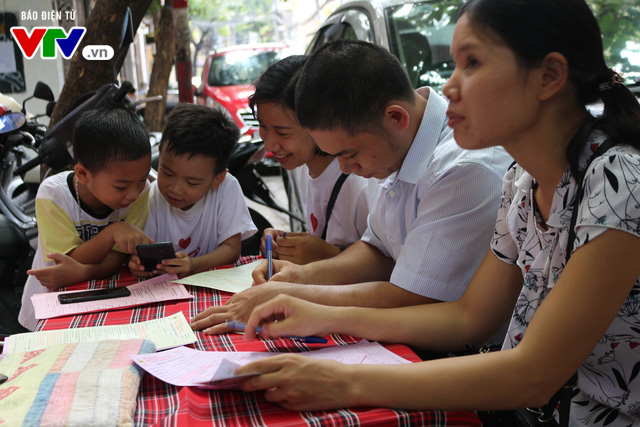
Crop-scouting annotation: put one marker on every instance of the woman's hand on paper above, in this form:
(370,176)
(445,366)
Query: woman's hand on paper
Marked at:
(238,307)
(301,383)
(287,315)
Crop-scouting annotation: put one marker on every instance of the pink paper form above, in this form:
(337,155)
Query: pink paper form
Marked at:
(157,289)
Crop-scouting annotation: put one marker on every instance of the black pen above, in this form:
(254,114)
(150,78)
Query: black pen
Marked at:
(240,327)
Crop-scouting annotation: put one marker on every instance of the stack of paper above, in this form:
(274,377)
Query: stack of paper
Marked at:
(165,333)
(185,366)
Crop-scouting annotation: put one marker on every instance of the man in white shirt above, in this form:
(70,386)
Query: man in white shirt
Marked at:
(436,203)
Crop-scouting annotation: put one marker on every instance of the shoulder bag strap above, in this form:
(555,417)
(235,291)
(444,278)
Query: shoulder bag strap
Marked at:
(332,200)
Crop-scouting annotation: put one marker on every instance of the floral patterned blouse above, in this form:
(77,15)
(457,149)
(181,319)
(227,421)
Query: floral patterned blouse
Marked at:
(608,381)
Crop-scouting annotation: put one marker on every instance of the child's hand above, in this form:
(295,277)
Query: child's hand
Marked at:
(274,246)
(302,248)
(137,269)
(66,272)
(128,237)
(181,265)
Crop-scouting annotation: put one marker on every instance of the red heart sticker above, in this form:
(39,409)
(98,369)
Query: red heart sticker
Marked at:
(314,222)
(184,244)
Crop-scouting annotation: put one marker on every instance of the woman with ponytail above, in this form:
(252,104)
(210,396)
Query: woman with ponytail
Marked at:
(564,262)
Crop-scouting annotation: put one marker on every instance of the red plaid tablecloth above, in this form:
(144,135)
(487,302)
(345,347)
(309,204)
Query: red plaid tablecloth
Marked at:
(160,403)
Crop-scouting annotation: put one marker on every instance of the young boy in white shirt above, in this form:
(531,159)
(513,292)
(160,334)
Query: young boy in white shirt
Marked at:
(90,218)
(195,204)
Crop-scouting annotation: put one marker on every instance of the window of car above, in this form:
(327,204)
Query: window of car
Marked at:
(241,67)
(417,33)
(352,24)
(420,36)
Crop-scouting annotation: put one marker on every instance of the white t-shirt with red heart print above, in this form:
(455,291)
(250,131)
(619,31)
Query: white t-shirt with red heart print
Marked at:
(220,214)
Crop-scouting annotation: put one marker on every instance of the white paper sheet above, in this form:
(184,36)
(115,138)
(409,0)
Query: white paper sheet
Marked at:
(183,366)
(166,332)
(157,289)
(233,280)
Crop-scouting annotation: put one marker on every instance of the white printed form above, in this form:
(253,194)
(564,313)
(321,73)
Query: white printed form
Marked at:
(185,366)
(166,332)
(234,280)
(154,290)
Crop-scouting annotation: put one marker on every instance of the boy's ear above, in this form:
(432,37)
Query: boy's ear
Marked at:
(82,173)
(218,179)
(554,75)
(395,117)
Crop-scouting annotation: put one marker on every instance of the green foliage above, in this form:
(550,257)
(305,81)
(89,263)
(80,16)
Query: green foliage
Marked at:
(155,6)
(620,23)
(237,16)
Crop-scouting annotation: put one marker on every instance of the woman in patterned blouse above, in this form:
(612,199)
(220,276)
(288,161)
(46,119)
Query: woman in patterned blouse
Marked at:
(525,72)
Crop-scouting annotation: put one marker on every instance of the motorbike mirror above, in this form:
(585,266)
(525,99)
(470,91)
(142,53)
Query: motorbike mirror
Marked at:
(126,38)
(11,121)
(43,91)
(49,108)
(128,35)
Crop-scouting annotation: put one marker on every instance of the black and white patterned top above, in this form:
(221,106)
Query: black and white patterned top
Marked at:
(608,380)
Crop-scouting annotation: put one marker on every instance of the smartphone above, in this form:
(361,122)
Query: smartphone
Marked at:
(93,295)
(153,253)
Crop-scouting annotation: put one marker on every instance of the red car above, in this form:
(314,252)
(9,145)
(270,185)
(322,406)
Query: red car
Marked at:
(228,76)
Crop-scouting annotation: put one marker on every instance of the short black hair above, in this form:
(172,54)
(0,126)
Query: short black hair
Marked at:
(106,135)
(347,84)
(197,129)
(278,83)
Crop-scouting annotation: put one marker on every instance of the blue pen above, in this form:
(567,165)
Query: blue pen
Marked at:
(240,327)
(269,251)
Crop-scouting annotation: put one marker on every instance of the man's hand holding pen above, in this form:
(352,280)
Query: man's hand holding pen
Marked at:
(212,320)
(283,271)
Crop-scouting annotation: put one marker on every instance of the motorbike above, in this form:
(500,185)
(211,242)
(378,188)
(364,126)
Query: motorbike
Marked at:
(25,144)
(19,136)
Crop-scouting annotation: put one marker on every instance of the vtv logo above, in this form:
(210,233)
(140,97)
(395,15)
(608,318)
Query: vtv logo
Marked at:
(49,37)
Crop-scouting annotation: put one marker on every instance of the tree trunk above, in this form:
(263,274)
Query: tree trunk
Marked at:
(184,69)
(162,63)
(104,27)
(202,44)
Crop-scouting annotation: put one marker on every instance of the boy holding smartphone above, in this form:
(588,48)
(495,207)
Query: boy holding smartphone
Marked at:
(90,218)
(194,203)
